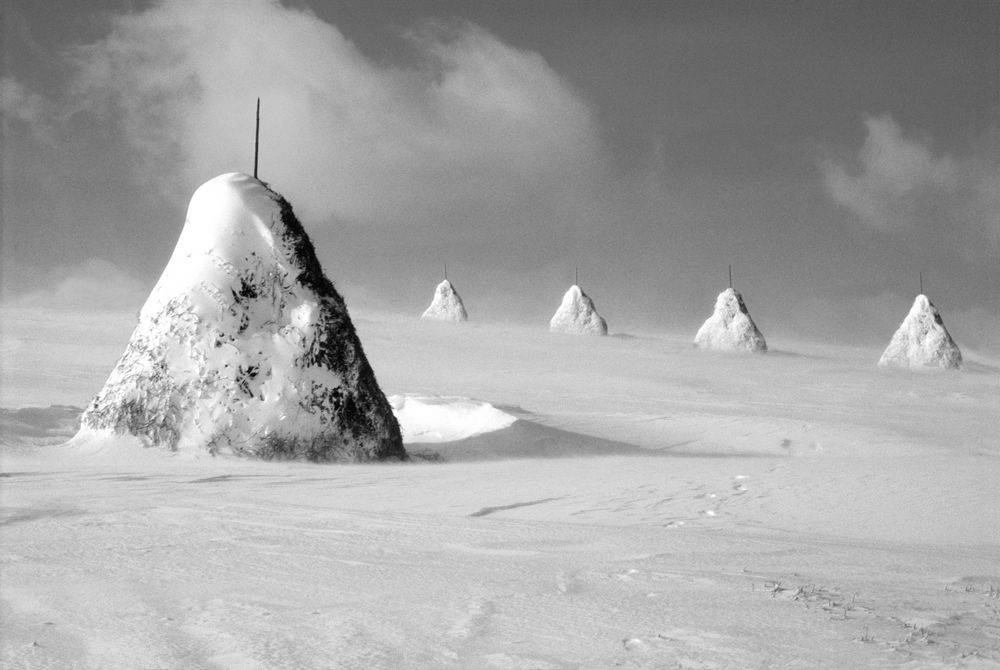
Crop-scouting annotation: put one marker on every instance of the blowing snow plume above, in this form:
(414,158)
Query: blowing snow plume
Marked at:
(245,347)
(730,327)
(446,305)
(577,315)
(922,341)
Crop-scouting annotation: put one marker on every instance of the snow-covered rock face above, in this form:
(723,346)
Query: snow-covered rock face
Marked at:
(244,346)
(922,341)
(577,315)
(730,327)
(447,304)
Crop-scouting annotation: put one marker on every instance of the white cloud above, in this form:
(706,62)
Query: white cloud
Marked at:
(474,125)
(94,284)
(897,184)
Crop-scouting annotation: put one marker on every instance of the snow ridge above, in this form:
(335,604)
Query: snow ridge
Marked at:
(922,341)
(577,315)
(730,327)
(446,305)
(244,345)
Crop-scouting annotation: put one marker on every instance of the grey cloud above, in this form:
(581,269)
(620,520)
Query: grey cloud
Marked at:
(899,184)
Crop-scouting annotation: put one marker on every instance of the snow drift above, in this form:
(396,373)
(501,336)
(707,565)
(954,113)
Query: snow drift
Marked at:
(244,346)
(922,340)
(434,419)
(446,305)
(730,327)
(577,315)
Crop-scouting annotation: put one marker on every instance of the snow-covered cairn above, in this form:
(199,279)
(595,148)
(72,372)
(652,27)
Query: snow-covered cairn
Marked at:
(730,327)
(447,304)
(245,347)
(578,315)
(922,341)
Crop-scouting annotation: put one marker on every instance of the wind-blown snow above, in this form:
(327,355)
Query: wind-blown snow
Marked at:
(730,327)
(446,305)
(577,315)
(922,341)
(434,419)
(244,346)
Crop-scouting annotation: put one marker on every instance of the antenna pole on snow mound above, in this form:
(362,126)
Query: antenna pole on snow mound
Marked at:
(576,276)
(256,140)
(921,275)
(446,270)
(730,275)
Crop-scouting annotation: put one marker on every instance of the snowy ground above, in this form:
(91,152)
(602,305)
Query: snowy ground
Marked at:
(652,506)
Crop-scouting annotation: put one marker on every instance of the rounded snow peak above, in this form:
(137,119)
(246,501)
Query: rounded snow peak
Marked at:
(444,288)
(577,315)
(922,341)
(228,193)
(226,212)
(730,327)
(446,306)
(730,301)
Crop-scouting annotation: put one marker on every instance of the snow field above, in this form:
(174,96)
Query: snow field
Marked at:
(804,508)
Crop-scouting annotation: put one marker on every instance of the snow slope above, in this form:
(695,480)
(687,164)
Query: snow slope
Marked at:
(730,327)
(446,305)
(244,346)
(577,315)
(922,341)
(801,509)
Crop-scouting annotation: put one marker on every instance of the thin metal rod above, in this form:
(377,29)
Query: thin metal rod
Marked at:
(446,270)
(921,274)
(256,140)
(730,275)
(576,276)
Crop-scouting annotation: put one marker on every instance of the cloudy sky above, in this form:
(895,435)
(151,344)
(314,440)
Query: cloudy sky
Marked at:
(830,151)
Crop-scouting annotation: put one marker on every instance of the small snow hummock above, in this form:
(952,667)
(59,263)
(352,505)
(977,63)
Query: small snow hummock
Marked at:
(244,345)
(922,341)
(447,305)
(577,315)
(730,327)
(424,418)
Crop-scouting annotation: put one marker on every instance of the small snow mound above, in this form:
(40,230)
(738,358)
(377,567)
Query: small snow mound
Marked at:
(922,341)
(433,419)
(577,315)
(446,305)
(730,327)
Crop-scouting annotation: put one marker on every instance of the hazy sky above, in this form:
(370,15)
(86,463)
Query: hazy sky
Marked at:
(829,150)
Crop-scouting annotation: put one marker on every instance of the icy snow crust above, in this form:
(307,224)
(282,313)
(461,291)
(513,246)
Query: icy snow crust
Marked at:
(577,315)
(730,327)
(244,346)
(447,305)
(922,341)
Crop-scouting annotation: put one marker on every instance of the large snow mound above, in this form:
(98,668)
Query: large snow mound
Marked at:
(730,327)
(577,315)
(922,341)
(244,346)
(446,305)
(433,419)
